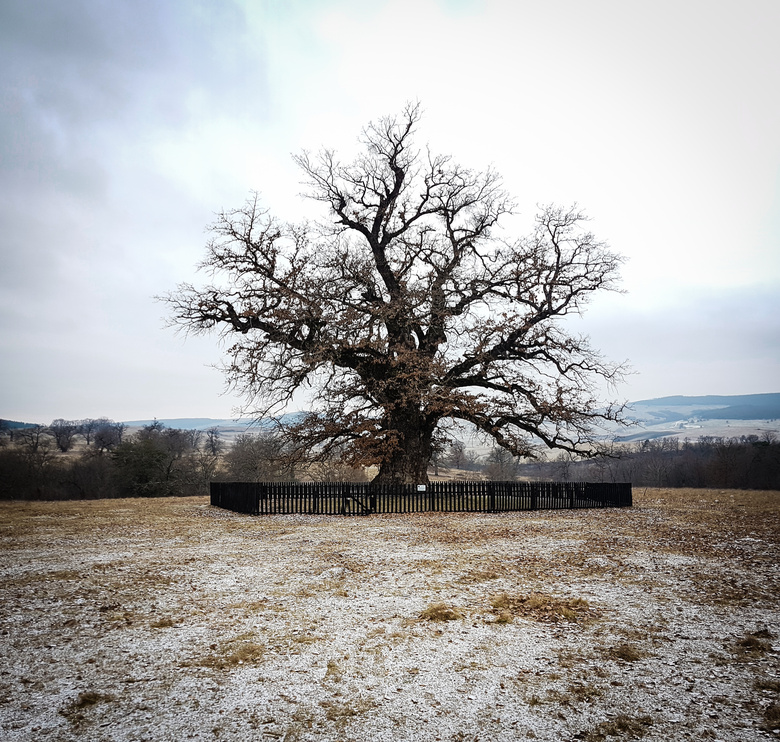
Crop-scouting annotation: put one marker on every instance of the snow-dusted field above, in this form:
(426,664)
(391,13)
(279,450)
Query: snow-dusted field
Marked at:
(169,620)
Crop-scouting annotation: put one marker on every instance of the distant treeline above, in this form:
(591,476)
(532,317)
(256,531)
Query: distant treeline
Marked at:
(745,462)
(97,458)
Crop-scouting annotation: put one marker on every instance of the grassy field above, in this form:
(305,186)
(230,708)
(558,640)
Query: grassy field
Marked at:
(170,620)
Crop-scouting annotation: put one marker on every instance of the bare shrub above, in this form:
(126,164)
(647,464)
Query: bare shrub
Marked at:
(441,612)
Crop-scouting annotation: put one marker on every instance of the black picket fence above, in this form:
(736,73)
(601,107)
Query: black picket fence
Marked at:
(345,498)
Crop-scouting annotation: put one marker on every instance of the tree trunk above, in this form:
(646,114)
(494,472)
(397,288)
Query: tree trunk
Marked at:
(408,462)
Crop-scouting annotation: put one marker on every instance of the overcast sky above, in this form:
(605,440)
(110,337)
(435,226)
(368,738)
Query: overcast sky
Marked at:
(126,124)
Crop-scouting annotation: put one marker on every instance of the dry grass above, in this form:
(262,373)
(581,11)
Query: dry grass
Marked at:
(702,512)
(230,654)
(624,653)
(771,720)
(585,692)
(482,574)
(340,710)
(441,612)
(168,620)
(753,645)
(623,726)
(75,711)
(540,607)
(163,623)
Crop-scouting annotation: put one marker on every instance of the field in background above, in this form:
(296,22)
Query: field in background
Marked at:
(166,619)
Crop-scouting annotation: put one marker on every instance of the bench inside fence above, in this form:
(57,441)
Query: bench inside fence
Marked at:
(347,498)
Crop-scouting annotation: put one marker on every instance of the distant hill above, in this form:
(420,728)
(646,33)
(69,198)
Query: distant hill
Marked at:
(204,423)
(651,412)
(14,425)
(191,423)
(710,407)
(713,400)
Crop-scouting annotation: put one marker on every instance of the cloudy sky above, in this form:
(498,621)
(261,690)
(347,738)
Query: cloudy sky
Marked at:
(126,124)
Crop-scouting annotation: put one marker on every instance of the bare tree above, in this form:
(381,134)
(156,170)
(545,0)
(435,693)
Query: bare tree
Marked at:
(456,457)
(5,433)
(213,444)
(107,434)
(563,464)
(501,465)
(36,445)
(87,428)
(405,308)
(64,432)
(257,458)
(34,439)
(335,469)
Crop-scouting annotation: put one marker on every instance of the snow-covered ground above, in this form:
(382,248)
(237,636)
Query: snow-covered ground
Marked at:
(170,620)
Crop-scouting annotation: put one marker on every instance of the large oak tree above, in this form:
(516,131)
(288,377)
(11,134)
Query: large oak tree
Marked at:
(406,308)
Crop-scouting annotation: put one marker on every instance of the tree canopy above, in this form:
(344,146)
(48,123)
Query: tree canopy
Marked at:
(406,307)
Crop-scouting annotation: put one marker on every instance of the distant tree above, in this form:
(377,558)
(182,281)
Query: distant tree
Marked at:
(205,464)
(501,465)
(199,460)
(474,461)
(64,432)
(564,461)
(335,469)
(258,457)
(405,308)
(87,428)
(107,434)
(156,461)
(769,436)
(456,455)
(141,466)
(656,460)
(28,462)
(743,462)
(90,476)
(34,439)
(16,482)
(437,460)
(214,444)
(5,433)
